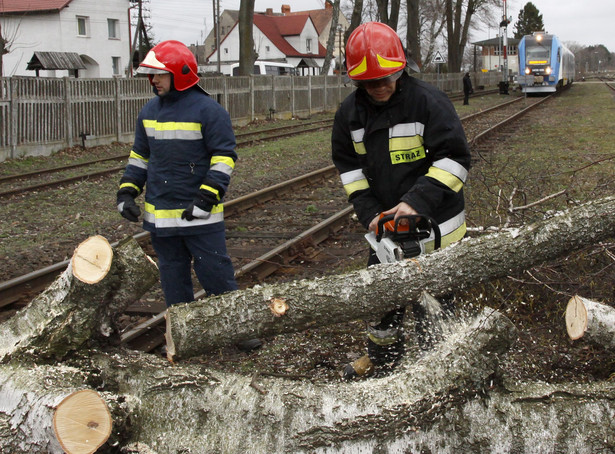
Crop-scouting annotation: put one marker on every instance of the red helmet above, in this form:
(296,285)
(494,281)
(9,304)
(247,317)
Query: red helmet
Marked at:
(374,51)
(173,57)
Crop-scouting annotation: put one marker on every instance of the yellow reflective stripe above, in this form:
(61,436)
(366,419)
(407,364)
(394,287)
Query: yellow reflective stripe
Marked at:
(357,140)
(446,178)
(223,160)
(176,213)
(361,68)
(404,156)
(405,143)
(386,63)
(448,238)
(172,130)
(382,341)
(455,235)
(359,147)
(210,189)
(356,186)
(135,155)
(172,125)
(130,185)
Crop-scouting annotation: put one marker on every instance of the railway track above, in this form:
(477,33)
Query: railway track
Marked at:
(44,178)
(266,232)
(483,124)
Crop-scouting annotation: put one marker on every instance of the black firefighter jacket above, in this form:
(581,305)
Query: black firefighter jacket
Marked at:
(411,149)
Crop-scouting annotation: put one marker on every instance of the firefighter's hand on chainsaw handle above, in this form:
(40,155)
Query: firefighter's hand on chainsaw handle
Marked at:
(401,209)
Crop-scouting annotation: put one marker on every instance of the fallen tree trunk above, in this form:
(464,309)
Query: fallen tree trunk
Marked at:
(73,311)
(218,412)
(451,397)
(46,408)
(590,320)
(211,323)
(451,400)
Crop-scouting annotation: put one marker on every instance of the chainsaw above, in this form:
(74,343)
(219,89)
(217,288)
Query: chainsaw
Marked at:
(394,242)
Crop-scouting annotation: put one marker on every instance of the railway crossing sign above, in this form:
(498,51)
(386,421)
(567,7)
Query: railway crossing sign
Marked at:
(438,58)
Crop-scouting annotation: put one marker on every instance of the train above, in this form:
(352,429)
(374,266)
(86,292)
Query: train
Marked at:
(545,64)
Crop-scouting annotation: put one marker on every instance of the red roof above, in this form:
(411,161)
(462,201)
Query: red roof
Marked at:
(320,17)
(27,6)
(278,27)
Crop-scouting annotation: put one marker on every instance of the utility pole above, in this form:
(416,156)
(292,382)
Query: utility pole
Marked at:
(216,6)
(504,53)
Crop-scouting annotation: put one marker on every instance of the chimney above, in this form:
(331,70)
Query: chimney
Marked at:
(269,12)
(285,9)
(328,5)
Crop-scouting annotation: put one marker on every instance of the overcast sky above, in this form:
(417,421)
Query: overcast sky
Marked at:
(585,22)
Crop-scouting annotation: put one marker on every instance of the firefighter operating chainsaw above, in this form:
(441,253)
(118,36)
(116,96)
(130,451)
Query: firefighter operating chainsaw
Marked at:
(395,240)
(400,148)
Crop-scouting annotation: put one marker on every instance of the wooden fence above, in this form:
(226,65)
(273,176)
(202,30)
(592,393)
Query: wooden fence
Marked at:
(39,116)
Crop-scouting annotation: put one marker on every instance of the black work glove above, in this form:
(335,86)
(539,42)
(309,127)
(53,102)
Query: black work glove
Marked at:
(126,205)
(201,206)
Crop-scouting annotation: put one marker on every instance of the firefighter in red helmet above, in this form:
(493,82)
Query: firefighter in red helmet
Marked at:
(182,157)
(171,57)
(400,150)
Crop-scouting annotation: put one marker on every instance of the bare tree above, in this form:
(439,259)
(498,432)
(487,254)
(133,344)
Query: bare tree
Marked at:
(355,18)
(413,31)
(388,13)
(424,28)
(4,48)
(246,38)
(8,36)
(331,39)
(460,15)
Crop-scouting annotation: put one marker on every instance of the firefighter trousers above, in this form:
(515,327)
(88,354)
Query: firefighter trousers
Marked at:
(206,253)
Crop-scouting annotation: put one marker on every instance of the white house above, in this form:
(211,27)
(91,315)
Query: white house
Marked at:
(291,39)
(96,31)
(492,55)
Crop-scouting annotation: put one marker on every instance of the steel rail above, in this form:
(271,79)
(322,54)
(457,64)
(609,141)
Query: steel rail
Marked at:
(87,176)
(38,280)
(482,135)
(260,268)
(123,157)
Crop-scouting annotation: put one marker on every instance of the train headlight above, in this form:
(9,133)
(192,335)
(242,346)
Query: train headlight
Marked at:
(528,70)
(548,70)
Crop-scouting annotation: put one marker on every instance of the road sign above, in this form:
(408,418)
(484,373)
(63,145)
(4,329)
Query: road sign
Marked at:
(438,58)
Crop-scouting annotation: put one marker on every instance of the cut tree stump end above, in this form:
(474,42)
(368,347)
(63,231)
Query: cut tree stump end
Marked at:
(576,318)
(82,422)
(92,259)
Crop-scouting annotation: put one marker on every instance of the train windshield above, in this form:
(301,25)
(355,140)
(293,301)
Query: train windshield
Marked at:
(535,54)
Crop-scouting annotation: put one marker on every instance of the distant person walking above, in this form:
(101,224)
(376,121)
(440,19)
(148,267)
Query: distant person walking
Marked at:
(467,89)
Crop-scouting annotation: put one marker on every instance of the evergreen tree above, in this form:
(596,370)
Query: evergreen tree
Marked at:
(529,21)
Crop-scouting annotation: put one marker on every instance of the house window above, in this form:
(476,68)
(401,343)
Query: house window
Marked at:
(226,50)
(308,45)
(267,48)
(83,25)
(113,25)
(115,61)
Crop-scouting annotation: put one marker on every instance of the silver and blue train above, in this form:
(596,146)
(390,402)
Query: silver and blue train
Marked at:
(545,64)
